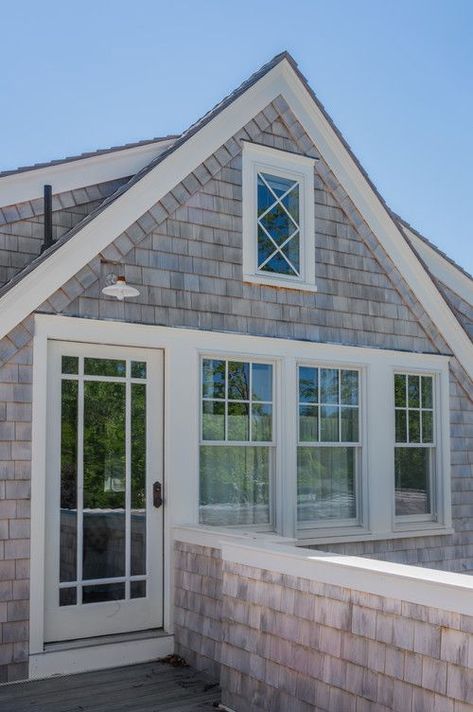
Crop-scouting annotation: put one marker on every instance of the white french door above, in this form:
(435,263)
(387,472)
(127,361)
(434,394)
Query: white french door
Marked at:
(104,519)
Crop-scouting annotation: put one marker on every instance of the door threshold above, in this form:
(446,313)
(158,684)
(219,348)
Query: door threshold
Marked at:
(108,651)
(105,639)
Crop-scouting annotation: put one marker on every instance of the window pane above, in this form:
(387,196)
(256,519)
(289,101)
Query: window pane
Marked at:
(329,385)
(401,426)
(308,423)
(349,387)
(238,421)
(213,420)
(349,425)
(278,224)
(326,479)
(234,485)
(213,378)
(400,390)
(265,197)
(279,265)
(70,364)
(238,380)
(329,424)
(308,384)
(414,426)
(138,369)
(291,203)
(262,381)
(413,388)
(427,399)
(68,522)
(278,185)
(412,472)
(261,422)
(291,250)
(427,426)
(104,367)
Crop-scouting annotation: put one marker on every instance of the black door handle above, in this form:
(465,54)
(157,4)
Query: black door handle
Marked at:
(157,495)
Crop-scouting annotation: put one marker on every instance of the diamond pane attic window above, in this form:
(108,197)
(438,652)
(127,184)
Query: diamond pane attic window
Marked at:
(278,218)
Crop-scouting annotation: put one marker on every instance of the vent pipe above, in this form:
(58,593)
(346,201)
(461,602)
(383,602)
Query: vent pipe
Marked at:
(48,218)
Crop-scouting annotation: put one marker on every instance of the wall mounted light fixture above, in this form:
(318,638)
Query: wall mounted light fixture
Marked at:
(120,289)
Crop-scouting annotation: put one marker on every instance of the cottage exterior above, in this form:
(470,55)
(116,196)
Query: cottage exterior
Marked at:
(297,369)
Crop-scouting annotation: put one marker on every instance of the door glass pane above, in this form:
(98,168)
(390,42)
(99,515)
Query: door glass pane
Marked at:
(67,596)
(103,592)
(138,589)
(68,518)
(104,480)
(104,367)
(138,479)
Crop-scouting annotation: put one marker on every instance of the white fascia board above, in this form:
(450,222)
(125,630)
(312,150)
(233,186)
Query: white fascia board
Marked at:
(441,268)
(425,587)
(38,285)
(376,215)
(78,173)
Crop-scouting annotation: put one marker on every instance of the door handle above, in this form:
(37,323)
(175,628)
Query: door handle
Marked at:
(157,495)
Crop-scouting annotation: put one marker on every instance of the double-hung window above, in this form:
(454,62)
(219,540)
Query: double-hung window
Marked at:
(414,454)
(329,446)
(237,443)
(278,218)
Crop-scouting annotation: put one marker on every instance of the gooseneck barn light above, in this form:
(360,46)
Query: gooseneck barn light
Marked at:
(120,289)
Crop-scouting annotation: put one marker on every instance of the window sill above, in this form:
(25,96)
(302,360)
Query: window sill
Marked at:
(278,282)
(363,535)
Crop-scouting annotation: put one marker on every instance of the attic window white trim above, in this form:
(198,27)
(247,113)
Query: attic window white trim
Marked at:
(262,160)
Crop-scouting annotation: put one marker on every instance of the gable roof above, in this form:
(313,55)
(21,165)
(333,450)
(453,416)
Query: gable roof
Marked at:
(280,77)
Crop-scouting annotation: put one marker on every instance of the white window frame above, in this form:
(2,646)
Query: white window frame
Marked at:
(402,522)
(341,526)
(273,444)
(283,164)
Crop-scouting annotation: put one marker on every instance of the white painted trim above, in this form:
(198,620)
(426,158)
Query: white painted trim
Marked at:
(78,173)
(37,286)
(99,657)
(256,159)
(425,587)
(441,268)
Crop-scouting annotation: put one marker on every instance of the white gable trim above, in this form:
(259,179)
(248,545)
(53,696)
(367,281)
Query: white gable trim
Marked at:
(78,173)
(51,274)
(441,268)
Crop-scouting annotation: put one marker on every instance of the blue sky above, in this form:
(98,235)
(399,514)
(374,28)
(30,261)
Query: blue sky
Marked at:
(396,77)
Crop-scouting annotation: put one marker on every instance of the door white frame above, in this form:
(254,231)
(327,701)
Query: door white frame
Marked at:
(182,352)
(105,618)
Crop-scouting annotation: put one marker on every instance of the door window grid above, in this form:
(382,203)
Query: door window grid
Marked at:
(278,225)
(127,371)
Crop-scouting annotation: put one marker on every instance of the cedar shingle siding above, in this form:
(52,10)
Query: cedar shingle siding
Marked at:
(185,255)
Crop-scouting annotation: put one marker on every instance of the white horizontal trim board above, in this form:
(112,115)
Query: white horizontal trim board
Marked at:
(51,274)
(78,173)
(425,587)
(99,657)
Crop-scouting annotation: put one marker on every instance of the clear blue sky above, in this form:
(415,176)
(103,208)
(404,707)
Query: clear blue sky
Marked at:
(395,75)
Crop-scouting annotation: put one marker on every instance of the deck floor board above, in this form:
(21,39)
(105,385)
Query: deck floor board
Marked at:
(150,687)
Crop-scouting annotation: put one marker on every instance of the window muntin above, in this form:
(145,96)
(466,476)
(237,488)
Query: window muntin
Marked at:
(329,444)
(236,452)
(415,444)
(278,217)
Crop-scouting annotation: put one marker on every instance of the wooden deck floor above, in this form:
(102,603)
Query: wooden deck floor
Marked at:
(151,687)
